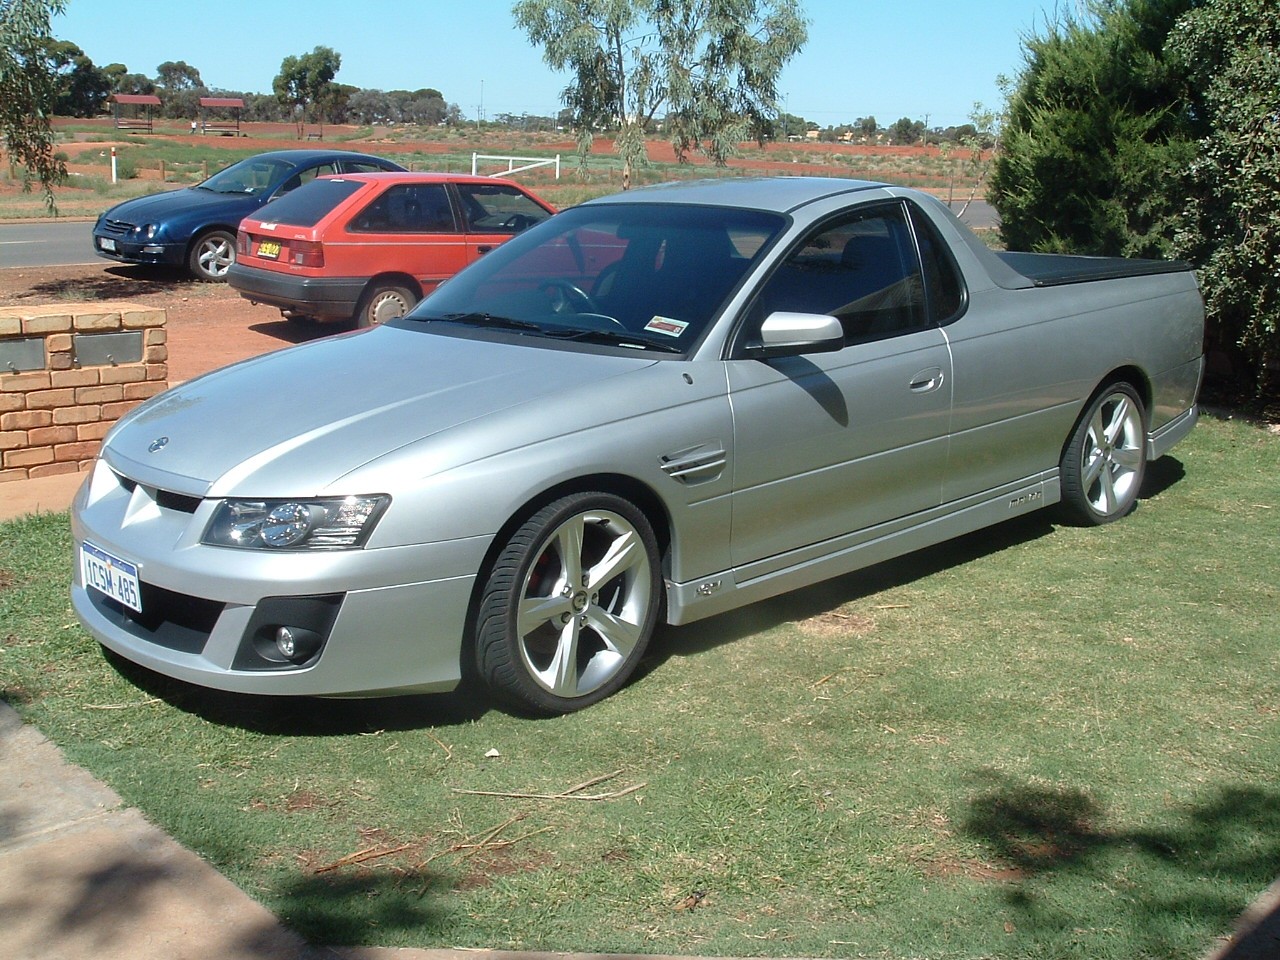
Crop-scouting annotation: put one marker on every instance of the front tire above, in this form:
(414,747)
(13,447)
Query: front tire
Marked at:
(211,256)
(569,606)
(1106,458)
(383,303)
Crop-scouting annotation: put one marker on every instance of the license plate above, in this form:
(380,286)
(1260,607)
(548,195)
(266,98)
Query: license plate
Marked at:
(107,243)
(269,249)
(109,574)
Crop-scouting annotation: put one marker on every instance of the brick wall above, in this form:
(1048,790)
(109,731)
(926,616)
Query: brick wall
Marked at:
(52,418)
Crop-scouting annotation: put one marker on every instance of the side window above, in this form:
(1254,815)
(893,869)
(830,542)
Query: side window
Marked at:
(861,269)
(943,283)
(361,166)
(407,208)
(498,208)
(305,176)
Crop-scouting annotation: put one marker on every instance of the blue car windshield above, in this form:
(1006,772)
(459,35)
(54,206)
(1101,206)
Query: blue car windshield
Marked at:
(655,272)
(251,177)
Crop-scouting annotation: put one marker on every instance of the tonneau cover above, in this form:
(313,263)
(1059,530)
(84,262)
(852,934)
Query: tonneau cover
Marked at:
(1054,269)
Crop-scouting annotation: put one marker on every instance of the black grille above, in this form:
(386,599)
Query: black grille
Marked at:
(168,619)
(118,228)
(177,501)
(166,499)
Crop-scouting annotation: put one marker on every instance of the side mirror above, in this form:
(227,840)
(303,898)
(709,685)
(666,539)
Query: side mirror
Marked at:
(786,334)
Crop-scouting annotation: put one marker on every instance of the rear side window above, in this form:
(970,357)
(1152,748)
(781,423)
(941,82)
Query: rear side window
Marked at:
(310,203)
(407,208)
(944,287)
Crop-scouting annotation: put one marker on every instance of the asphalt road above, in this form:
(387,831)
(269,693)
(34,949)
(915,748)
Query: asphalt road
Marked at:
(56,244)
(52,244)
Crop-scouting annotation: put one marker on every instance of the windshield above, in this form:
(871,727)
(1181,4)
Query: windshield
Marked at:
(253,177)
(638,275)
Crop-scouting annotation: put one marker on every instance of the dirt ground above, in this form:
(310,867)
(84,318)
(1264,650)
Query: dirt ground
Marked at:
(209,325)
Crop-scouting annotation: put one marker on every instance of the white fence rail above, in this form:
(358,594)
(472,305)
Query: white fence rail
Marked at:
(529,164)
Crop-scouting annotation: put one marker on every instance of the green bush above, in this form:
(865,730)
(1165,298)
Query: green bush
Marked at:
(1230,51)
(1094,138)
(1149,129)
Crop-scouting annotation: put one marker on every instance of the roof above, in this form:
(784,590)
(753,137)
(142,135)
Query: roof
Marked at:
(221,102)
(776,194)
(304,155)
(424,176)
(138,98)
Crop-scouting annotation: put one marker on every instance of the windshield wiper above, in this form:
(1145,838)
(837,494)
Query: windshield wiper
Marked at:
(483,320)
(619,338)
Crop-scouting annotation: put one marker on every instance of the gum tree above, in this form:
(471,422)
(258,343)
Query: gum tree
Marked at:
(28,90)
(711,65)
(305,80)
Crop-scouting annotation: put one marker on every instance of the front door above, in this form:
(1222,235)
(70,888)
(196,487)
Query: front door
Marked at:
(834,443)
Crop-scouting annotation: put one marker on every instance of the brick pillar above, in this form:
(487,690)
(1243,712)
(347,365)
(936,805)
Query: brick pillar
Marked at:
(67,373)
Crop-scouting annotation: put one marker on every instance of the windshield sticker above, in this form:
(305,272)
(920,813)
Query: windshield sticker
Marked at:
(666,326)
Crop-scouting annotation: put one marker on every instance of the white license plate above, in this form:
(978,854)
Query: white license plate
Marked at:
(108,574)
(107,244)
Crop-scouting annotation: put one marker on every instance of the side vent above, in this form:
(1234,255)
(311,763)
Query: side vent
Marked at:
(698,464)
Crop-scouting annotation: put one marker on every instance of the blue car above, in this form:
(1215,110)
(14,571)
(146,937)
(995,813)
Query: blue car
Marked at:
(195,227)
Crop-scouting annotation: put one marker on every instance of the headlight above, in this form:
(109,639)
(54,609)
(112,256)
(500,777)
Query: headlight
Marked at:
(295,524)
(147,230)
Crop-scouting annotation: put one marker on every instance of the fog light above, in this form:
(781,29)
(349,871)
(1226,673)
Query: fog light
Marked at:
(296,644)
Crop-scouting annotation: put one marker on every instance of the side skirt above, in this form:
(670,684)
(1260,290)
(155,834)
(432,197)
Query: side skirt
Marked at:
(716,593)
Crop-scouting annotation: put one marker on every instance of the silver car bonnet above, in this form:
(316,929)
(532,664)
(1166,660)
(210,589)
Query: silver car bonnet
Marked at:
(291,422)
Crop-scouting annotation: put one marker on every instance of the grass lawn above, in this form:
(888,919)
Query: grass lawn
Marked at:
(1037,741)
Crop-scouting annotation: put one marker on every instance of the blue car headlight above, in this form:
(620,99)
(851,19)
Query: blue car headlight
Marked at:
(147,231)
(322,524)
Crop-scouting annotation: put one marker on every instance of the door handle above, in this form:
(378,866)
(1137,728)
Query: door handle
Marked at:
(927,381)
(484,249)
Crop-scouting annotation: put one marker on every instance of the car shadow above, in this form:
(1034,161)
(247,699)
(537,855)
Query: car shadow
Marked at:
(299,331)
(316,716)
(1160,476)
(114,283)
(306,716)
(704,635)
(692,639)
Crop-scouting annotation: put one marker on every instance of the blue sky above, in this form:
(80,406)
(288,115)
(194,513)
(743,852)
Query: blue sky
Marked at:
(909,58)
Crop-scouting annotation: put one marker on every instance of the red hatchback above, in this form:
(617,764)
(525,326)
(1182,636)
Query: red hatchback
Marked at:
(371,245)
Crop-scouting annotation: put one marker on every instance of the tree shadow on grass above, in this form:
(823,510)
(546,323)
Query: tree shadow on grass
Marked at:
(1198,869)
(360,906)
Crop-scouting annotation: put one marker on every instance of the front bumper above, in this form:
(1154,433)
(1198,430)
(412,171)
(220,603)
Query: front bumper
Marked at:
(398,614)
(125,251)
(323,297)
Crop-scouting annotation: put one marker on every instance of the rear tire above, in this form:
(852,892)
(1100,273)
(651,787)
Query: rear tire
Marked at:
(1106,458)
(211,256)
(384,302)
(569,606)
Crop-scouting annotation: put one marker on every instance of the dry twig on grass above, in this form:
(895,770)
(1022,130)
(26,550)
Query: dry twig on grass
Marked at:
(362,856)
(573,793)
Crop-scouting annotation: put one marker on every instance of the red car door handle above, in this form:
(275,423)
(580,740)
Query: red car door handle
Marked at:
(483,250)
